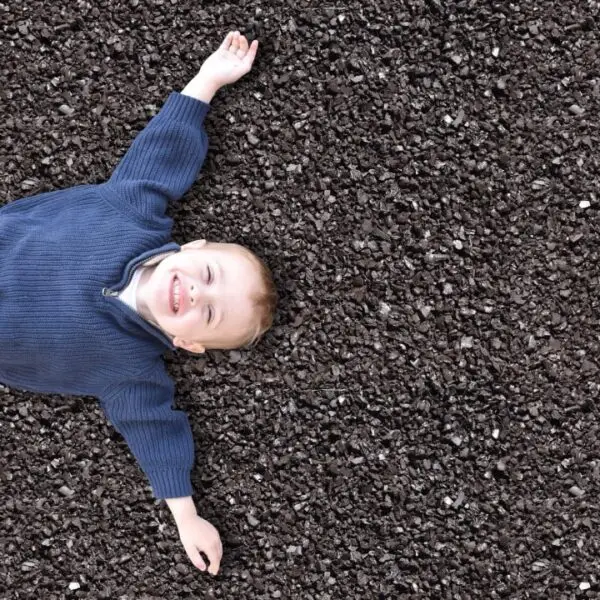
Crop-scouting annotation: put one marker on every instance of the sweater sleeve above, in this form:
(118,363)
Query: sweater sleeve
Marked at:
(159,437)
(164,159)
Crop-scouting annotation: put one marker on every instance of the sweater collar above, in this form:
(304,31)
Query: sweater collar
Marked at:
(146,259)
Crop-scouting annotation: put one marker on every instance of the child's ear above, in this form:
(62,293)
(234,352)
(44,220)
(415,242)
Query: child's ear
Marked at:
(195,347)
(195,245)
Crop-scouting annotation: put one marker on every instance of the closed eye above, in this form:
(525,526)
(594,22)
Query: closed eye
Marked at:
(210,315)
(209,275)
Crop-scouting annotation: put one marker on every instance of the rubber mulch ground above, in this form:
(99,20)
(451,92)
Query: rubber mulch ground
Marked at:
(422,421)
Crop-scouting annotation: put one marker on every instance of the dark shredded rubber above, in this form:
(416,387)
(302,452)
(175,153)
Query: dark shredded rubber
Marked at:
(422,422)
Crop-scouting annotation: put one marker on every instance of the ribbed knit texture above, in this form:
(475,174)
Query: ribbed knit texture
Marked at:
(60,334)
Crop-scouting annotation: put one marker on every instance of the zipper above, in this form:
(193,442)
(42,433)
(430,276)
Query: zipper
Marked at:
(107,292)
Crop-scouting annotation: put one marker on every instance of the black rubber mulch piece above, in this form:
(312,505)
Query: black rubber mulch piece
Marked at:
(422,422)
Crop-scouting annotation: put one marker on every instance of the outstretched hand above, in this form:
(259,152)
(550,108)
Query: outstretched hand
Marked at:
(199,536)
(232,60)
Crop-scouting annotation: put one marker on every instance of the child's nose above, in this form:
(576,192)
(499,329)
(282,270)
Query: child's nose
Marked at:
(195,293)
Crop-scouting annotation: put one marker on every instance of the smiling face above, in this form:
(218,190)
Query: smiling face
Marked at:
(203,296)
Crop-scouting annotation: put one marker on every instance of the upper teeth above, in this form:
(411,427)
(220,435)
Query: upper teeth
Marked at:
(176,295)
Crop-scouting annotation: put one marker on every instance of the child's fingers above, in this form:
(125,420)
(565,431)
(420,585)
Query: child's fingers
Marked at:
(251,54)
(235,42)
(214,568)
(243,44)
(196,558)
(215,559)
(227,41)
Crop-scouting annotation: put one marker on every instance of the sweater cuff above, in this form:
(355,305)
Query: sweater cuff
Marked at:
(185,108)
(171,483)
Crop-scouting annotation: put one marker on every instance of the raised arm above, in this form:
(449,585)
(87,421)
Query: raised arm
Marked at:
(165,158)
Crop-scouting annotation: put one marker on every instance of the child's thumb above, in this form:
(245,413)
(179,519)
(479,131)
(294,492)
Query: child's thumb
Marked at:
(195,557)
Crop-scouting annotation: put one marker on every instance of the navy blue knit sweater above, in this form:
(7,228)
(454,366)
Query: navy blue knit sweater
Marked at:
(65,254)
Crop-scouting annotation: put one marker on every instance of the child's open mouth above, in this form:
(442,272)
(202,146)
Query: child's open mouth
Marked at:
(175,294)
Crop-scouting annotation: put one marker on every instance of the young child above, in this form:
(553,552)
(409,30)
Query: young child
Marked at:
(93,291)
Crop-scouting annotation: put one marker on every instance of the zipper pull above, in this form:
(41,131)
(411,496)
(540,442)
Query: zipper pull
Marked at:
(109,292)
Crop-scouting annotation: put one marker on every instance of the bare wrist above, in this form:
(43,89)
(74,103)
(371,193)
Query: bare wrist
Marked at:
(182,508)
(201,88)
